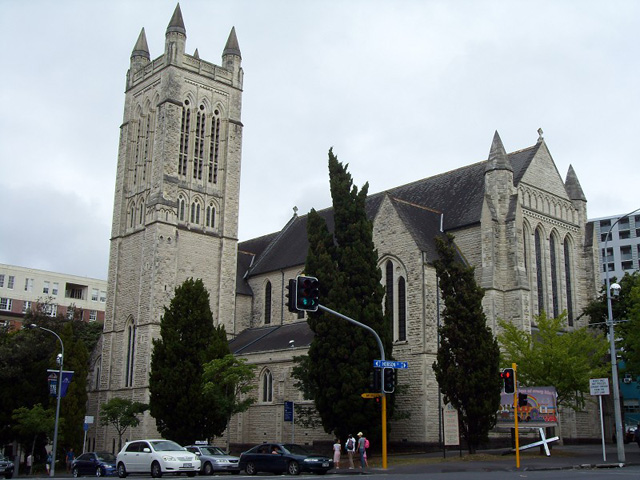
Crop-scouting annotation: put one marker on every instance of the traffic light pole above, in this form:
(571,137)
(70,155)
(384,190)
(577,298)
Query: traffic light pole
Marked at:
(382,357)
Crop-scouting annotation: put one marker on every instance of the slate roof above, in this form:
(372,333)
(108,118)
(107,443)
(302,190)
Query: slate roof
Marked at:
(277,337)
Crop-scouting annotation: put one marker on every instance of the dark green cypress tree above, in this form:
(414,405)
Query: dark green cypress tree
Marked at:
(338,367)
(187,341)
(468,359)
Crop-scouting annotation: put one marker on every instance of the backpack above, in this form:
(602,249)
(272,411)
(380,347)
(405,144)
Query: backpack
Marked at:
(350,444)
(366,443)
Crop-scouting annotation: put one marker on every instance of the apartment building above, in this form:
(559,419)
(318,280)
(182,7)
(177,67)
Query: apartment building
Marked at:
(23,288)
(621,254)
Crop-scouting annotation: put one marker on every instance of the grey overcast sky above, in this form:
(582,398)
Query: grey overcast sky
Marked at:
(401,89)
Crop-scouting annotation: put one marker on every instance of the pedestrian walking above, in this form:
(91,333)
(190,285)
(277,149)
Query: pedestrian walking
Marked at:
(337,448)
(350,446)
(362,450)
(70,458)
(48,464)
(29,463)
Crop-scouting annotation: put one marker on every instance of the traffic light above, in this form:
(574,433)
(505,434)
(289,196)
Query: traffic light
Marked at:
(307,293)
(509,378)
(389,380)
(291,295)
(376,380)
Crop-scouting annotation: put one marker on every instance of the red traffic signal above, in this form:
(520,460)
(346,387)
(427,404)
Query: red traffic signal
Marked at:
(509,377)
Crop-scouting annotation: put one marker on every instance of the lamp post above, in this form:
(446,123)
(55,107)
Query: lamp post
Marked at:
(612,345)
(59,393)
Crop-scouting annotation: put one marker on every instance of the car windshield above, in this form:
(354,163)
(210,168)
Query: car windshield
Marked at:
(296,449)
(166,446)
(106,456)
(212,451)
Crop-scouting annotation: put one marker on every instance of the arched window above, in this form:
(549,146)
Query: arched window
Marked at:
(198,153)
(389,298)
(267,303)
(554,276)
(402,309)
(539,270)
(267,386)
(183,156)
(181,206)
(141,213)
(195,213)
(214,147)
(130,336)
(567,273)
(132,217)
(211,216)
(96,372)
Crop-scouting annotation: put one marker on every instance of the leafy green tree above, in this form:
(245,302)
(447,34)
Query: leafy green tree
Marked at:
(555,356)
(188,340)
(630,331)
(121,413)
(467,366)
(339,363)
(227,381)
(32,424)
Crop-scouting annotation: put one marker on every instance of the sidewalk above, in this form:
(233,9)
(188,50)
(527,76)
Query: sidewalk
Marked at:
(562,457)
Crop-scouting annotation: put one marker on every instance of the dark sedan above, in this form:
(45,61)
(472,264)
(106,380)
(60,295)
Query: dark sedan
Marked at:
(283,458)
(98,464)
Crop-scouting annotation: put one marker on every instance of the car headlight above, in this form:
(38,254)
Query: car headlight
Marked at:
(312,460)
(168,458)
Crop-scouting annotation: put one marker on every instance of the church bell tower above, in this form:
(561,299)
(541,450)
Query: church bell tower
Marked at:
(175,212)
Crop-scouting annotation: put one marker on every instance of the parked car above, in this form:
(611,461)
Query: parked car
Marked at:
(279,458)
(156,457)
(100,464)
(6,467)
(214,459)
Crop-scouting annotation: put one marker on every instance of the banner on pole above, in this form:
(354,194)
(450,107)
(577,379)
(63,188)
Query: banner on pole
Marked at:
(67,375)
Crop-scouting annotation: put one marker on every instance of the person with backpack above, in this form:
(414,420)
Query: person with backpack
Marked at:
(350,446)
(362,450)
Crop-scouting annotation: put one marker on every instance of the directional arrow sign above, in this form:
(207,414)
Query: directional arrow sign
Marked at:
(371,395)
(390,364)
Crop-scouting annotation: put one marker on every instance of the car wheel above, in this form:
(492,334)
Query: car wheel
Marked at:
(293,468)
(75,472)
(98,472)
(156,471)
(122,471)
(250,468)
(207,469)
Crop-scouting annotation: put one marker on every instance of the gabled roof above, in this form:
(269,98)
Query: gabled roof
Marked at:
(270,338)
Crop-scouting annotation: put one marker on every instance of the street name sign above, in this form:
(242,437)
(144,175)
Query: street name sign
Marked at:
(390,364)
(371,395)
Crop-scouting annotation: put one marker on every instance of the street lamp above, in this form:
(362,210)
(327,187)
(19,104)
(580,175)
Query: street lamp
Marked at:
(615,291)
(59,393)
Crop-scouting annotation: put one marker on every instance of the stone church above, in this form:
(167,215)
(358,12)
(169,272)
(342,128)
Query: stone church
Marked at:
(515,219)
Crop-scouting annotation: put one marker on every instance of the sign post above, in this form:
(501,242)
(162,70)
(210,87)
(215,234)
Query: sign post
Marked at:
(289,417)
(600,387)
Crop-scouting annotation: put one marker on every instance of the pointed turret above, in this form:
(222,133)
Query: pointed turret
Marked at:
(232,58)
(176,38)
(573,186)
(141,49)
(497,156)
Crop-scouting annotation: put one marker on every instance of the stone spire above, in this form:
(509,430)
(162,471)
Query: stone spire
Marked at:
(572,185)
(497,156)
(232,47)
(141,49)
(177,24)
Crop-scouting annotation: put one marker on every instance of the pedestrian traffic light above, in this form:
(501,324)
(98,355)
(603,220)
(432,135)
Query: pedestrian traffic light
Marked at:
(389,380)
(291,295)
(307,293)
(509,378)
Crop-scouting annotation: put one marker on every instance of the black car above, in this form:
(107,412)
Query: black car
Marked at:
(6,467)
(283,457)
(99,464)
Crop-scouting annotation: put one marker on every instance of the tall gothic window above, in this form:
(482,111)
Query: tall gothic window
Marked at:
(402,309)
(214,147)
(141,213)
(554,276)
(267,386)
(146,146)
(132,216)
(539,272)
(136,160)
(211,216)
(198,153)
(567,274)
(267,303)
(183,156)
(130,333)
(181,207)
(389,298)
(195,213)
